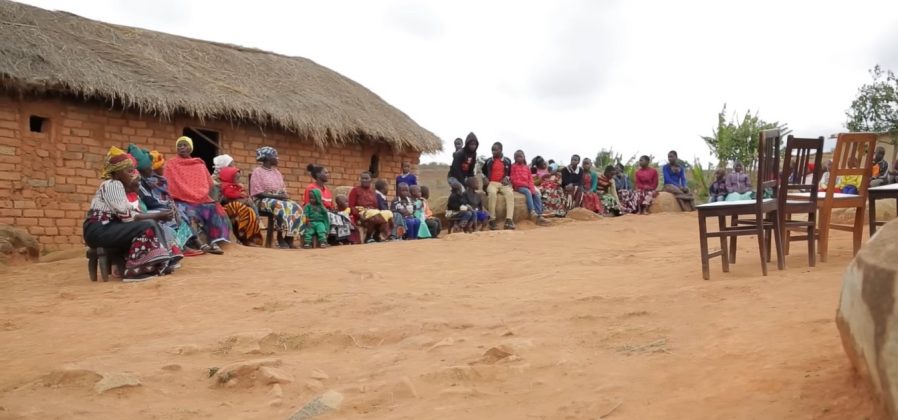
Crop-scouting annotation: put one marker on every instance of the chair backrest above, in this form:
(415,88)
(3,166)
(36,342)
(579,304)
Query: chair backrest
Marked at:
(799,154)
(768,163)
(852,148)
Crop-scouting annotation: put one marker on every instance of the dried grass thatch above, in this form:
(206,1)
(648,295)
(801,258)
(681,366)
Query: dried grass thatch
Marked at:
(161,74)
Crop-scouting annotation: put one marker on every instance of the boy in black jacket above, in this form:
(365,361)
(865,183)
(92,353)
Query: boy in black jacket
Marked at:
(498,172)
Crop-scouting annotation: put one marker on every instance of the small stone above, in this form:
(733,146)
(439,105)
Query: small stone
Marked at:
(275,376)
(276,391)
(324,403)
(244,368)
(495,354)
(277,402)
(314,385)
(231,383)
(246,342)
(172,367)
(319,374)
(112,381)
(186,349)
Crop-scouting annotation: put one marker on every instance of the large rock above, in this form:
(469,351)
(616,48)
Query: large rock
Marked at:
(665,202)
(17,245)
(885,211)
(342,190)
(438,207)
(868,315)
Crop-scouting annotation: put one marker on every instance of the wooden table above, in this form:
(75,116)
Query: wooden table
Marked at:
(879,193)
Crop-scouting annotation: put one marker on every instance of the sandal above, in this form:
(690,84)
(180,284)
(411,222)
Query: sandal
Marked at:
(509,224)
(215,249)
(306,246)
(493,225)
(190,252)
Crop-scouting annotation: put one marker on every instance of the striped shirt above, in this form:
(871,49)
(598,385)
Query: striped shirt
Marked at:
(111,203)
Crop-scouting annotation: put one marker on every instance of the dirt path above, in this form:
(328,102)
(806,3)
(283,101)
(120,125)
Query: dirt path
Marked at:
(555,323)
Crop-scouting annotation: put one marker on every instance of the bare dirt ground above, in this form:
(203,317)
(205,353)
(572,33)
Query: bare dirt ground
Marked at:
(577,321)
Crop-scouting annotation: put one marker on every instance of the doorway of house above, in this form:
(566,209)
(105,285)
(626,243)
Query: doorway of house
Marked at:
(205,144)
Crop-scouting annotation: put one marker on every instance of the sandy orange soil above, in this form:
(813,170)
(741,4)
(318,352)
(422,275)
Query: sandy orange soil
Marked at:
(577,321)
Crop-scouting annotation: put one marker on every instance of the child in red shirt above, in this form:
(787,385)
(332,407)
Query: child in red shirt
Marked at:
(522,182)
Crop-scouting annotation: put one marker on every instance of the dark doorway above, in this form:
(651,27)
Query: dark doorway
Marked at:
(374,166)
(205,144)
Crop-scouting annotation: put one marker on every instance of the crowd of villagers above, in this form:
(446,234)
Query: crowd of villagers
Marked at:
(154,211)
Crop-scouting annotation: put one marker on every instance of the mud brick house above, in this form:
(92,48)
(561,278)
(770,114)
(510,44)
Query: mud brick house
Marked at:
(71,87)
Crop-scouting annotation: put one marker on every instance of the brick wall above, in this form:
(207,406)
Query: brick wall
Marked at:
(48,178)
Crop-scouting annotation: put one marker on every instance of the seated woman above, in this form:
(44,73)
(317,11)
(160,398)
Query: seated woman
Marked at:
(572,184)
(590,200)
(168,235)
(608,193)
(624,189)
(189,185)
(239,207)
(152,191)
(268,189)
(738,185)
(367,212)
(548,181)
(646,185)
(458,211)
(218,163)
(405,224)
(111,222)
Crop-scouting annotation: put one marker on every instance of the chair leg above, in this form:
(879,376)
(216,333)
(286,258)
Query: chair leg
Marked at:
(724,252)
(823,228)
(104,266)
(768,236)
(778,241)
(703,244)
(871,206)
(858,229)
(92,261)
(269,232)
(787,234)
(812,239)
(733,221)
(762,248)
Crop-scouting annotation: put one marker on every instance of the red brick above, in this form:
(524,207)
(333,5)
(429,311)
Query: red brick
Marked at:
(74,214)
(89,141)
(7,221)
(46,222)
(128,130)
(71,123)
(8,116)
(35,230)
(80,132)
(68,221)
(26,221)
(54,213)
(11,212)
(33,213)
(24,204)
(135,123)
(76,116)
(64,188)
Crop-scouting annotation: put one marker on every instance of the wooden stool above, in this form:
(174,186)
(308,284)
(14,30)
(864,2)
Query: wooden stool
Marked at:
(101,260)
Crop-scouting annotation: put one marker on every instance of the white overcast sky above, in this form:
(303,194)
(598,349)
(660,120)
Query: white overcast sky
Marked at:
(562,77)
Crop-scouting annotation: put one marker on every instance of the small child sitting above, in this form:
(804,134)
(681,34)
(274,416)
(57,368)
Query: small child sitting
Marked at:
(718,189)
(458,210)
(848,184)
(317,221)
(433,224)
(475,201)
(342,233)
(405,224)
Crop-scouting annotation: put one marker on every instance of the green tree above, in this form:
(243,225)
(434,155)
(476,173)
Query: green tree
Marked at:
(737,139)
(875,108)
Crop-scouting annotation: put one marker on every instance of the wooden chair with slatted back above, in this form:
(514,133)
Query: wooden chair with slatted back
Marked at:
(764,210)
(850,147)
(797,177)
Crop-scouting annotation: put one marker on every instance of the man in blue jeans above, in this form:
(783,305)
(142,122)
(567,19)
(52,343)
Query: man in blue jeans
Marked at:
(522,181)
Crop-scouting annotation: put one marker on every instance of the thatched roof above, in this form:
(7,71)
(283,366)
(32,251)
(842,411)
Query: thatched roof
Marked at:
(47,52)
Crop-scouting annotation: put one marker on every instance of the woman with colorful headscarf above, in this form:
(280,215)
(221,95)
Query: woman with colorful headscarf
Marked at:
(189,185)
(267,187)
(152,193)
(111,223)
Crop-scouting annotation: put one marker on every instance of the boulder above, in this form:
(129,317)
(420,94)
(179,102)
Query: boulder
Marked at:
(885,211)
(438,207)
(867,317)
(112,381)
(665,202)
(17,245)
(342,190)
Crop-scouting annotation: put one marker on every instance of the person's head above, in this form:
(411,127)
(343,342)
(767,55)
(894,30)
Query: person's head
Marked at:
(553,168)
(425,192)
(342,202)
(406,167)
(879,153)
(158,162)
(118,166)
(539,163)
(184,146)
(459,143)
(365,180)
(587,164)
(672,157)
(497,150)
(402,190)
(222,161)
(644,161)
(619,169)
(267,155)
(471,144)
(471,183)
(827,165)
(737,167)
(315,197)
(575,160)
(720,173)
(414,191)
(382,186)
(609,171)
(456,187)
(229,174)
(318,173)
(519,157)
(675,167)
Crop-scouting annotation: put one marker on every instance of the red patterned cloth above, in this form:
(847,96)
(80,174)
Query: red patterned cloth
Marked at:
(188,180)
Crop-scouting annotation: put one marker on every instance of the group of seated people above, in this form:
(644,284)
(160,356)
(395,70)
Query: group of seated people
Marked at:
(155,211)
(550,190)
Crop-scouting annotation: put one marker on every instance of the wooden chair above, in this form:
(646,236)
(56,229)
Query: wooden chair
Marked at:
(888,191)
(795,179)
(268,228)
(849,147)
(101,260)
(763,209)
